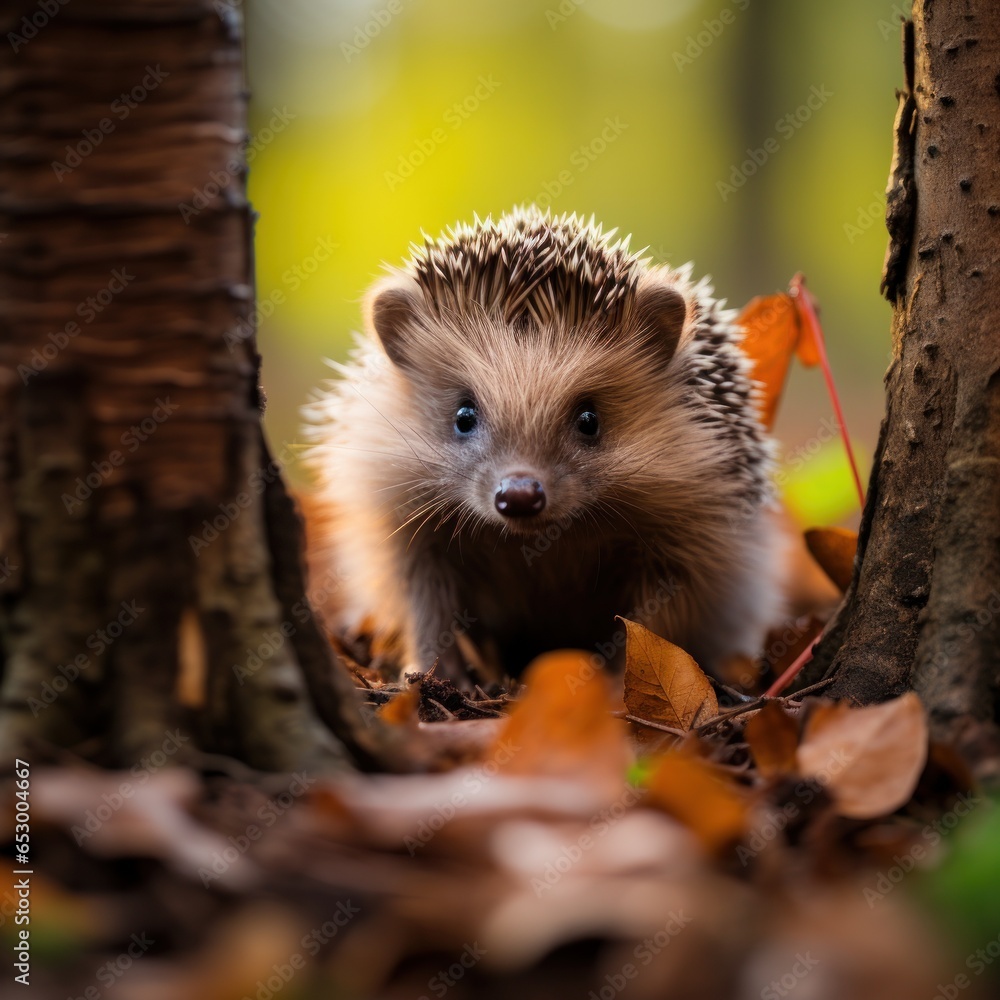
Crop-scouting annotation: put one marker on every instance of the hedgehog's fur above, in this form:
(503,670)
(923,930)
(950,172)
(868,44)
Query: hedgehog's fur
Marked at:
(663,520)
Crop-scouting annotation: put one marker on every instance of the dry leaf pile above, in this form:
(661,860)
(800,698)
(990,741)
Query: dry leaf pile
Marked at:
(567,847)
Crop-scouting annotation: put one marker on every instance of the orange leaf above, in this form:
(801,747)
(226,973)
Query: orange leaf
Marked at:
(663,683)
(401,709)
(773,737)
(834,550)
(771,333)
(775,328)
(701,797)
(562,725)
(870,759)
(809,348)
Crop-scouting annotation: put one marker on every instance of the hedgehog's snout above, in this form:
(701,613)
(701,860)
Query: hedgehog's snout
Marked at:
(519,495)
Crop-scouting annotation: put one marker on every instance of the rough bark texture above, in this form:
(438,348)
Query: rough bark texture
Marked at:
(922,611)
(151,572)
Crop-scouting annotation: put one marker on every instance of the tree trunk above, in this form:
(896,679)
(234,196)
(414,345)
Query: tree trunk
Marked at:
(152,573)
(922,609)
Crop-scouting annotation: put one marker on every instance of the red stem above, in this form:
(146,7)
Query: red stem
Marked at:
(798,289)
(792,672)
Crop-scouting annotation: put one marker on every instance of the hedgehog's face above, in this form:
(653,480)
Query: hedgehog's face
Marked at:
(520,492)
(524,426)
(520,458)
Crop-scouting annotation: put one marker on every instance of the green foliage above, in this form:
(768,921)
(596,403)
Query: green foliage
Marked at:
(962,892)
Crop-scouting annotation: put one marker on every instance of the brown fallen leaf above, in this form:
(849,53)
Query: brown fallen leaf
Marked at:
(562,724)
(807,588)
(773,736)
(145,813)
(869,759)
(700,796)
(663,683)
(834,549)
(443,746)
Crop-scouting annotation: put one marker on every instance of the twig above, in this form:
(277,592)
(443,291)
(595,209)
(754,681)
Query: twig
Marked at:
(361,677)
(656,725)
(725,716)
(818,686)
(438,705)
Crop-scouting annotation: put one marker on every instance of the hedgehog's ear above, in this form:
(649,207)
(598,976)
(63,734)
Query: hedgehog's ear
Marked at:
(392,309)
(659,314)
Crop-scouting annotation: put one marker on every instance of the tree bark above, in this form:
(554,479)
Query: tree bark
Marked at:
(152,562)
(922,611)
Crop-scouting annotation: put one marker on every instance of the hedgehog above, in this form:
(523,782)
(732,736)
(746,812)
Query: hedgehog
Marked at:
(538,433)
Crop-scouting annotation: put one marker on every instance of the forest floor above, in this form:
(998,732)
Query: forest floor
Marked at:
(564,839)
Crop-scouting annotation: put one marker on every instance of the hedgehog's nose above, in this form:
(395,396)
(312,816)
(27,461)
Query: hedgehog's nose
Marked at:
(519,496)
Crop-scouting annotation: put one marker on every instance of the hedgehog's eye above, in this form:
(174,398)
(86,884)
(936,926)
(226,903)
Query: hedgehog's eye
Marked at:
(466,417)
(587,422)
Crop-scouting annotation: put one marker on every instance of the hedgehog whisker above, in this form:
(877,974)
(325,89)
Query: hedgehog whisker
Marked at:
(394,454)
(402,437)
(445,510)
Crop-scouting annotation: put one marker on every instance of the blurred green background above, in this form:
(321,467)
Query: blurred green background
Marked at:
(685,122)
